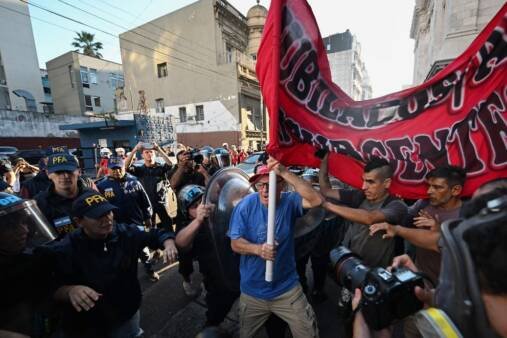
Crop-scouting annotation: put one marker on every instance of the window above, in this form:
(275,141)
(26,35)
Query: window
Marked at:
(162,69)
(88,103)
(116,80)
(84,77)
(96,101)
(199,113)
(183,114)
(228,54)
(93,76)
(159,103)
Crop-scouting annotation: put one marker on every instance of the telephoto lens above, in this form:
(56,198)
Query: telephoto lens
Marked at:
(386,296)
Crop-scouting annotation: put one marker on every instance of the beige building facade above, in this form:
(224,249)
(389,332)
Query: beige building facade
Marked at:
(442,30)
(20,81)
(82,84)
(197,64)
(348,70)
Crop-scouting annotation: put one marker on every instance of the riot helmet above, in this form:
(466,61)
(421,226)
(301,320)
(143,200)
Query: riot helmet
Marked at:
(22,225)
(188,195)
(206,152)
(220,158)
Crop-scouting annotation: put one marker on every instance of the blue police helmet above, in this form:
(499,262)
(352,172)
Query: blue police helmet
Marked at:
(188,195)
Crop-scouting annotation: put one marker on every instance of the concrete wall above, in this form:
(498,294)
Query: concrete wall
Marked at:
(442,30)
(104,87)
(29,124)
(193,48)
(67,89)
(19,56)
(341,70)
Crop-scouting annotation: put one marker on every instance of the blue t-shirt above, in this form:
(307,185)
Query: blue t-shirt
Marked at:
(249,221)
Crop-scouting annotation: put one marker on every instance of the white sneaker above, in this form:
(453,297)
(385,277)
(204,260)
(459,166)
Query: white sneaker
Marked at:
(190,291)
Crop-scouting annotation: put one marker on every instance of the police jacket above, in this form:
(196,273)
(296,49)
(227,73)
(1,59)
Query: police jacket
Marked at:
(109,267)
(129,196)
(35,185)
(57,209)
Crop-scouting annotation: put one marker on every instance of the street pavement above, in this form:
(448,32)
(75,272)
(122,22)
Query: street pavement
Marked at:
(167,312)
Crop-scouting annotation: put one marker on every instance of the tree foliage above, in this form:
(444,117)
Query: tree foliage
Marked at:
(84,42)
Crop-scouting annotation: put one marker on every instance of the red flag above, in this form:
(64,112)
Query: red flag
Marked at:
(457,117)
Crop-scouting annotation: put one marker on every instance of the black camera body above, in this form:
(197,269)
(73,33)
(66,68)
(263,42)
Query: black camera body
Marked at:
(196,156)
(386,296)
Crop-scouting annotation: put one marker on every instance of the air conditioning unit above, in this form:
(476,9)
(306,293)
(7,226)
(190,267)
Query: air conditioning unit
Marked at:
(191,118)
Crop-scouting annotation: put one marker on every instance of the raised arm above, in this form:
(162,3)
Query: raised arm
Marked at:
(162,153)
(130,158)
(325,185)
(311,197)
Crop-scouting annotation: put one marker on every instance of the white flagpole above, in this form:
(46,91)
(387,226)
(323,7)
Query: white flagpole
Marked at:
(271,222)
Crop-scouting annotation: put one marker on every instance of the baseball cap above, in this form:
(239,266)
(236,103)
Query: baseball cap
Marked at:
(52,150)
(262,170)
(115,162)
(61,162)
(91,204)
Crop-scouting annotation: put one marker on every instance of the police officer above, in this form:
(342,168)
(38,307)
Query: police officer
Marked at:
(96,270)
(56,201)
(126,193)
(194,234)
(154,178)
(186,172)
(25,277)
(220,158)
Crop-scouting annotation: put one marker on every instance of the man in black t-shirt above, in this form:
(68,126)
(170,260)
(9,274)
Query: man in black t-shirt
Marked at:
(155,179)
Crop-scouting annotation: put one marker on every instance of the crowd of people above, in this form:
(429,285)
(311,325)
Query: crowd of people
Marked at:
(81,240)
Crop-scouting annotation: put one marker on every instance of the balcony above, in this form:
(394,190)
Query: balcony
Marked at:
(246,66)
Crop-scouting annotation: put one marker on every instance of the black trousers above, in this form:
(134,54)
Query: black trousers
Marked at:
(165,220)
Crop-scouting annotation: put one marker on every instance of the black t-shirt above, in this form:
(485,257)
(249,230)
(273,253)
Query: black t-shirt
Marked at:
(155,180)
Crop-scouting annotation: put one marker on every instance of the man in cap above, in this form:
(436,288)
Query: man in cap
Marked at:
(133,205)
(248,232)
(154,178)
(41,181)
(56,201)
(96,270)
(7,174)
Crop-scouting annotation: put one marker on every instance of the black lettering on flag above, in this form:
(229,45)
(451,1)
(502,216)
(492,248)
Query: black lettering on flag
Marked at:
(431,153)
(306,72)
(352,116)
(470,159)
(492,54)
(402,150)
(374,148)
(491,117)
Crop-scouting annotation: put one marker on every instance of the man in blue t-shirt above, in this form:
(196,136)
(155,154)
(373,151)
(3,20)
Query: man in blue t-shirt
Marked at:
(248,232)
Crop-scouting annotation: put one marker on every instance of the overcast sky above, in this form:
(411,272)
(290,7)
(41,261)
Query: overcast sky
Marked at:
(382,28)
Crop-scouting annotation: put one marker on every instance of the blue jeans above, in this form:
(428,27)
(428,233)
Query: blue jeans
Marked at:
(129,329)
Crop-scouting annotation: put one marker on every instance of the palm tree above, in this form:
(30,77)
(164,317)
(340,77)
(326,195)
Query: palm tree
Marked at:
(85,42)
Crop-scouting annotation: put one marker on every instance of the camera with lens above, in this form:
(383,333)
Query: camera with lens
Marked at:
(196,156)
(386,296)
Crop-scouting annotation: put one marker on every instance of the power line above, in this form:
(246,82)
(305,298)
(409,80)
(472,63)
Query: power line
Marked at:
(122,48)
(133,31)
(211,52)
(133,42)
(161,28)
